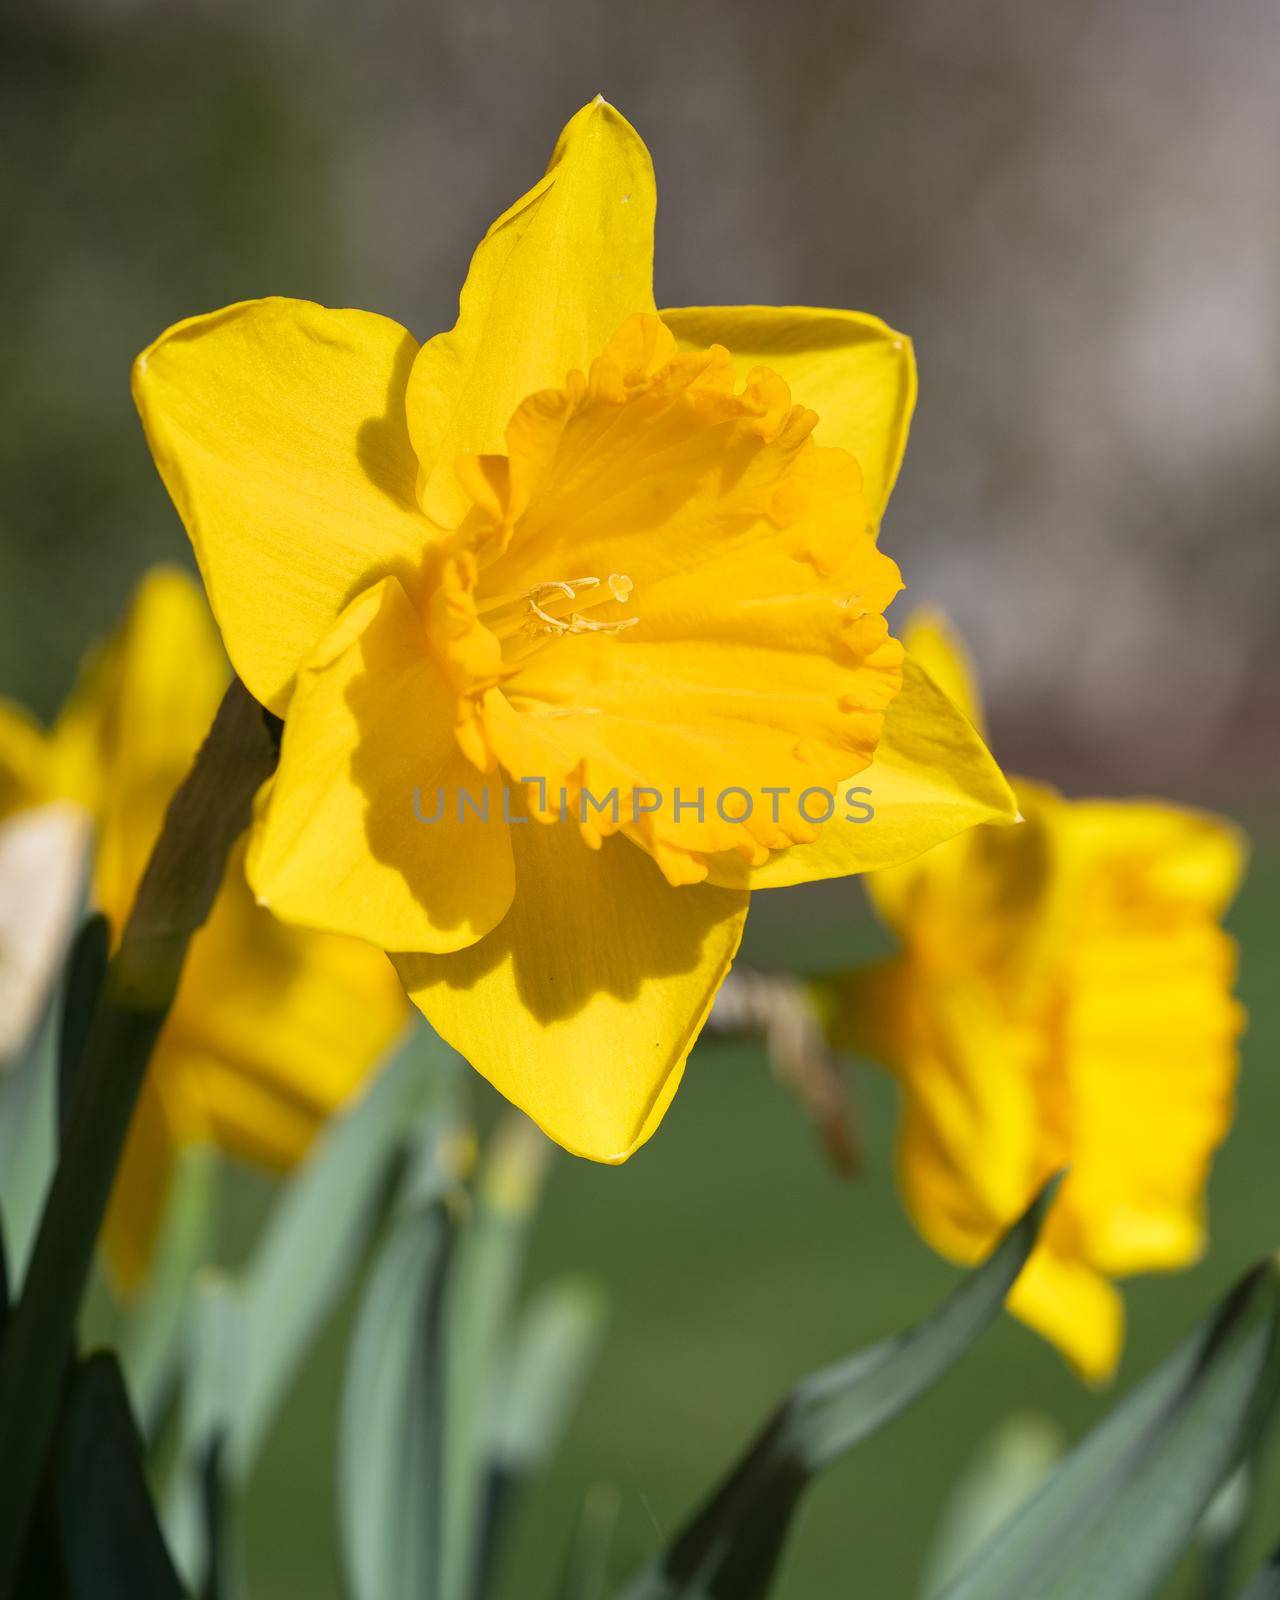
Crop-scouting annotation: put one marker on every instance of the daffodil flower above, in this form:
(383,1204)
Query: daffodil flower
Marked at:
(272,1027)
(1062,999)
(571,549)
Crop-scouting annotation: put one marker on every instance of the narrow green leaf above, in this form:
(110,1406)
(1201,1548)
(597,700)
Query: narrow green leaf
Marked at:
(28,1145)
(86,968)
(1009,1467)
(39,1341)
(151,1337)
(554,1343)
(586,1572)
(42,1571)
(1111,1523)
(51,847)
(392,1415)
(1221,1531)
(112,1547)
(194,1519)
(223,1578)
(490,1259)
(731,1548)
(4,1279)
(319,1232)
(1265,1584)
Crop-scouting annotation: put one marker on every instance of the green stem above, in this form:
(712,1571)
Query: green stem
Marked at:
(205,817)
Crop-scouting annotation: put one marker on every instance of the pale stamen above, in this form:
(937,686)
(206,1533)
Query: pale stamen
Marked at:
(536,617)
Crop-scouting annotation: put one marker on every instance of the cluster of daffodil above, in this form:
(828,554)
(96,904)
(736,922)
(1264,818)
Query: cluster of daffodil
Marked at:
(576,545)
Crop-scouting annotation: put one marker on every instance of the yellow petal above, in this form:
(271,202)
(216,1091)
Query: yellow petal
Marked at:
(583,1003)
(985,877)
(25,760)
(273,1027)
(973,1146)
(278,427)
(853,370)
(1074,1308)
(1157,860)
(138,714)
(553,278)
(986,894)
(345,839)
(969,1154)
(932,778)
(932,640)
(1148,1027)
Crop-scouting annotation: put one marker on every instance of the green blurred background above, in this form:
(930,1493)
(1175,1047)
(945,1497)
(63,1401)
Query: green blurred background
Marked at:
(1071,209)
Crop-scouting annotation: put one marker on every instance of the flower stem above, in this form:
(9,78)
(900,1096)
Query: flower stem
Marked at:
(205,817)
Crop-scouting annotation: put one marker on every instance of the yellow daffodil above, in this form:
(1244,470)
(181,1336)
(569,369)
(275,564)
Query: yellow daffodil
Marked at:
(1062,999)
(272,1027)
(571,549)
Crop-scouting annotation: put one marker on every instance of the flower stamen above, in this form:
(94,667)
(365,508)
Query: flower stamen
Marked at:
(537,611)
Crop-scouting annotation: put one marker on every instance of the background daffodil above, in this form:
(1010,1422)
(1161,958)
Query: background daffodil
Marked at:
(43,847)
(1062,999)
(273,1027)
(572,540)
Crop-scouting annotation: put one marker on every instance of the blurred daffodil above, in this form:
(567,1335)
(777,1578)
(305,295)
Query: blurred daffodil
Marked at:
(571,548)
(272,1027)
(43,849)
(1062,999)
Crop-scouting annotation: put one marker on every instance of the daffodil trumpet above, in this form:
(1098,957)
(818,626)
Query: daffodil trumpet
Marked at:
(204,819)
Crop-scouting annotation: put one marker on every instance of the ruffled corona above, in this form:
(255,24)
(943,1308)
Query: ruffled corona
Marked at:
(665,585)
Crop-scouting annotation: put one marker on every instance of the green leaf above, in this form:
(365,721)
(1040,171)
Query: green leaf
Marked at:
(544,1372)
(490,1259)
(1011,1464)
(318,1235)
(1221,1530)
(112,1547)
(731,1548)
(1265,1584)
(1111,1523)
(390,1433)
(194,1519)
(28,1145)
(586,1572)
(223,1576)
(555,1342)
(151,1336)
(86,968)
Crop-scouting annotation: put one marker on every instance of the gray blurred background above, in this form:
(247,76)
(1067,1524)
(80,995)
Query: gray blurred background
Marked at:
(1071,208)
